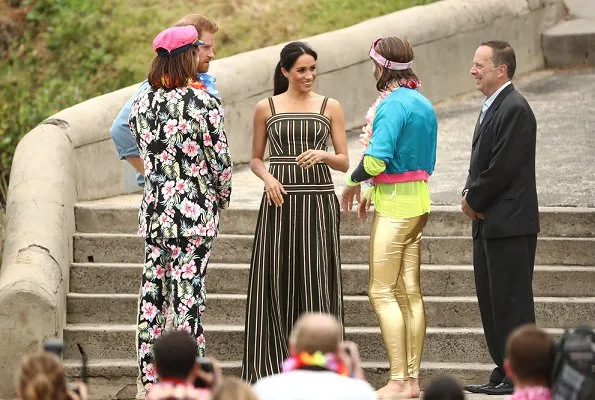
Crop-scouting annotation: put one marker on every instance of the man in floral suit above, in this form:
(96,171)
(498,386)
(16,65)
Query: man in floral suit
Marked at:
(120,131)
(178,127)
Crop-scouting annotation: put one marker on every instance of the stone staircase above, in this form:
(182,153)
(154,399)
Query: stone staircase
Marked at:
(571,42)
(105,277)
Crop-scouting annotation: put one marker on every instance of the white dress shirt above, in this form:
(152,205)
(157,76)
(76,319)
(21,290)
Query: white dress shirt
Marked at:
(488,102)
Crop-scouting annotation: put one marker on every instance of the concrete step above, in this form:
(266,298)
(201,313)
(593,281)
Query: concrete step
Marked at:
(226,342)
(555,312)
(122,217)
(129,248)
(116,378)
(436,280)
(570,42)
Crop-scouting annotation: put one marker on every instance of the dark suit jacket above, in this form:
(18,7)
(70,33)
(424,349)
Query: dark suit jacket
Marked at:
(501,180)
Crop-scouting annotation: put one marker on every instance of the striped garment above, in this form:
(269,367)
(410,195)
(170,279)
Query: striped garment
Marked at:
(296,264)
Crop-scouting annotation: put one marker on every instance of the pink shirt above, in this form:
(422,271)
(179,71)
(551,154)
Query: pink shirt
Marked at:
(531,393)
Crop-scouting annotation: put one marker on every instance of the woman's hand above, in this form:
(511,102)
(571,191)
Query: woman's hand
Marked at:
(274,190)
(310,157)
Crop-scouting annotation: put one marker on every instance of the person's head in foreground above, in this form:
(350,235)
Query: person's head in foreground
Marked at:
(444,388)
(529,357)
(41,377)
(179,370)
(175,356)
(233,389)
(315,332)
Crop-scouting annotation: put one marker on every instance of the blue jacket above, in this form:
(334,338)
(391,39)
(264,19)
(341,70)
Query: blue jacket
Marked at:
(405,132)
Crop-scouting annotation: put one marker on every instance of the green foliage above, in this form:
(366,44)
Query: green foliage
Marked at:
(3,193)
(64,56)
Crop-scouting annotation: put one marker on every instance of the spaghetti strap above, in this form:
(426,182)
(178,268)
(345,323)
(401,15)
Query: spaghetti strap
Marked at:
(323,105)
(272,105)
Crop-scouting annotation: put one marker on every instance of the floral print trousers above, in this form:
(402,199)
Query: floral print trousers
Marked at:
(174,271)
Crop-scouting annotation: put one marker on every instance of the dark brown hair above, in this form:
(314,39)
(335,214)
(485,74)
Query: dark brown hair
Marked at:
(502,53)
(530,351)
(202,24)
(178,69)
(41,377)
(444,388)
(398,50)
(175,354)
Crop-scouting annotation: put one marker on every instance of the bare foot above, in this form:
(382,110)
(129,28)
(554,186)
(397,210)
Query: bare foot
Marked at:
(415,391)
(395,390)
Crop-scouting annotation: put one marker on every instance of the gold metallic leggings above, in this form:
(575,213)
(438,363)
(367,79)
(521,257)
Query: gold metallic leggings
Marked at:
(395,292)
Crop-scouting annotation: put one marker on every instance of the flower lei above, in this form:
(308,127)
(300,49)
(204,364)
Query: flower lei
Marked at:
(203,81)
(328,361)
(365,137)
(167,390)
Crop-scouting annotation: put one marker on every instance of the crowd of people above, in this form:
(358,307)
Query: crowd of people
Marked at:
(320,366)
(172,132)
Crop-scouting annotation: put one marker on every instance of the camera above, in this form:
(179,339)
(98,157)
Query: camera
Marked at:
(56,346)
(206,366)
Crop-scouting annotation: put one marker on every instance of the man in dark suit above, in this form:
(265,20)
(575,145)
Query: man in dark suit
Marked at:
(500,198)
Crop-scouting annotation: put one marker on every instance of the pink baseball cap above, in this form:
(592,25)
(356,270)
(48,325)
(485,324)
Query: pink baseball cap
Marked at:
(176,40)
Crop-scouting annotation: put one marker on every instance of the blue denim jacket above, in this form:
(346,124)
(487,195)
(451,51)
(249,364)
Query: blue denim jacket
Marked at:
(121,135)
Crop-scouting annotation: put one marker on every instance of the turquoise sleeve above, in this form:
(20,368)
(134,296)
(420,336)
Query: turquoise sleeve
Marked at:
(388,124)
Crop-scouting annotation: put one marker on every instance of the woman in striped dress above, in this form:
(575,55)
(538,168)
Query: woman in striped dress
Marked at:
(296,264)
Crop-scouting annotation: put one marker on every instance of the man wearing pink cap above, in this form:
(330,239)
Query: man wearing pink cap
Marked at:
(120,131)
(178,128)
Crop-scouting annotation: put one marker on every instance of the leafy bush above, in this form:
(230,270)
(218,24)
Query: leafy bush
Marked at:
(64,56)
(3,192)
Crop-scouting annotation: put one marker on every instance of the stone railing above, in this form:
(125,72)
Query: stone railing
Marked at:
(70,156)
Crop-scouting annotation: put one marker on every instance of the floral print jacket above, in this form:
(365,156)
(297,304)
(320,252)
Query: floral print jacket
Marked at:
(187,164)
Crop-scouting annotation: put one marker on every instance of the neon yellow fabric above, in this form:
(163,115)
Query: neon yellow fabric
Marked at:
(396,200)
(373,165)
(401,200)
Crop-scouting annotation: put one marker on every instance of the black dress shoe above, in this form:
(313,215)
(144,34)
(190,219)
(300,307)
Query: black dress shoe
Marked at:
(479,388)
(500,389)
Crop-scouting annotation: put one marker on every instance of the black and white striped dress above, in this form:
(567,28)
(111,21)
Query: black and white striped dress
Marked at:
(295,258)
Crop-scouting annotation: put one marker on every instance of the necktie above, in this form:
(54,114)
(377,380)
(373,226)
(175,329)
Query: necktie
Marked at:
(484,109)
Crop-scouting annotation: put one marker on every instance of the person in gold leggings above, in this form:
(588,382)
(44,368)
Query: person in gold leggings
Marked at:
(400,154)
